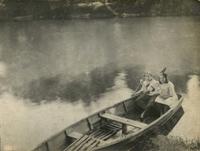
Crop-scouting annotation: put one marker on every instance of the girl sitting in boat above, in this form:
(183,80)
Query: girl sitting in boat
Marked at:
(148,88)
(166,96)
(148,85)
(147,93)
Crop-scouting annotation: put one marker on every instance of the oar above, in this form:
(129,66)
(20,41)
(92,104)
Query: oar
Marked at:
(163,70)
(137,89)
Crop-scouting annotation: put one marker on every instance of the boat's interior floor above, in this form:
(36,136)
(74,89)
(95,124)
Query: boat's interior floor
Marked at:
(93,138)
(136,117)
(109,131)
(112,126)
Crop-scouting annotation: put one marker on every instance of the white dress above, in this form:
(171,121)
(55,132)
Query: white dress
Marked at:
(150,86)
(167,95)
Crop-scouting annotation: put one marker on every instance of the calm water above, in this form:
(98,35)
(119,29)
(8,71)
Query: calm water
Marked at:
(30,50)
(47,48)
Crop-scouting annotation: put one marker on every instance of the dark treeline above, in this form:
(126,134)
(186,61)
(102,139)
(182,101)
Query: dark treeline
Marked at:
(65,9)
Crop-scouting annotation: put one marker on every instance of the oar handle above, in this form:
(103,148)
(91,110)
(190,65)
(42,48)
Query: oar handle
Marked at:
(163,70)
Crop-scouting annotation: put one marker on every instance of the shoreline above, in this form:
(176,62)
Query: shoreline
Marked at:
(86,17)
(59,10)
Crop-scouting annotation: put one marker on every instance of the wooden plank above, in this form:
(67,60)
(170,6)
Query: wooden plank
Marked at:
(75,143)
(100,132)
(109,127)
(75,135)
(123,120)
(79,144)
(135,129)
(91,147)
(86,145)
(110,135)
(104,134)
(115,124)
(89,124)
(125,108)
(83,144)
(93,133)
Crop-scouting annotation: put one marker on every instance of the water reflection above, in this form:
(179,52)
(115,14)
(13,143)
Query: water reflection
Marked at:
(44,120)
(188,127)
(41,49)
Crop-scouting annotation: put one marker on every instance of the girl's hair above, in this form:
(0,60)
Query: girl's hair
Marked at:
(147,74)
(165,77)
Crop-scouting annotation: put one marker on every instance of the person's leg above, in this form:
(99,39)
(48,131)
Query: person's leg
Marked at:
(159,109)
(147,109)
(141,100)
(149,106)
(163,108)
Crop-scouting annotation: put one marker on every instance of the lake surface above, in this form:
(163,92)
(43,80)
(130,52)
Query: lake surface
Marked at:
(46,48)
(31,50)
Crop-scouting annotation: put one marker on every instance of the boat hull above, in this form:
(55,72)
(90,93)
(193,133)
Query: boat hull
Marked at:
(160,129)
(163,125)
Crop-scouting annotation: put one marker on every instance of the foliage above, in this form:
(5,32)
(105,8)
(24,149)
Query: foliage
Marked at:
(63,9)
(163,143)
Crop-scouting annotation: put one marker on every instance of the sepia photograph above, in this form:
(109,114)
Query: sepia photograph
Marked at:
(99,75)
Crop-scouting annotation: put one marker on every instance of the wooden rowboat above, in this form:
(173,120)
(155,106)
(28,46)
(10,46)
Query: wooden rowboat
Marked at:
(115,128)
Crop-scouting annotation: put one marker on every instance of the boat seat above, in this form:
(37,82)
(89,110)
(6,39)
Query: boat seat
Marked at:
(75,135)
(123,120)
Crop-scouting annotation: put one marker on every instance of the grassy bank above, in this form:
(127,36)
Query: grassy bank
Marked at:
(163,143)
